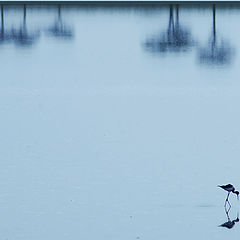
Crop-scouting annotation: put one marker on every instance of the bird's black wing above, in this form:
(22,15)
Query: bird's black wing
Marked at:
(226,186)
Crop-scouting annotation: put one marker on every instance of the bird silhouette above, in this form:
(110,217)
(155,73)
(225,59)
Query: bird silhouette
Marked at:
(229,188)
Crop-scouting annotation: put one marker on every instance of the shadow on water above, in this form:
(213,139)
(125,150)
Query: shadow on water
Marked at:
(218,51)
(22,37)
(176,38)
(229,224)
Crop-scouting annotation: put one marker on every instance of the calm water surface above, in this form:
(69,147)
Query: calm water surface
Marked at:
(119,122)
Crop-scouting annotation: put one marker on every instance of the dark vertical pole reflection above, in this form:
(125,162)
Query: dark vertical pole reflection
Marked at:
(2,37)
(214,22)
(59,12)
(171,23)
(214,27)
(24,14)
(24,18)
(177,14)
(2,19)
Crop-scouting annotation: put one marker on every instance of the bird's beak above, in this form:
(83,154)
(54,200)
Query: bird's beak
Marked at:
(237,197)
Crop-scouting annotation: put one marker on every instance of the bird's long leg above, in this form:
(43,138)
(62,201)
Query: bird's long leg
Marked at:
(227,210)
(227,201)
(225,207)
(228,196)
(229,204)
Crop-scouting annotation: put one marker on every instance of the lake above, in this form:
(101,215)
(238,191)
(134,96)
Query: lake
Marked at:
(119,121)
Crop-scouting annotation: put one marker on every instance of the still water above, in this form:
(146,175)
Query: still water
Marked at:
(119,121)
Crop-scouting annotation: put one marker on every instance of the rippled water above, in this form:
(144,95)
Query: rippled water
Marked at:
(119,121)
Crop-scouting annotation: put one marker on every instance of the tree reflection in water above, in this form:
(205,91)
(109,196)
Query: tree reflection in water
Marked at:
(175,38)
(23,37)
(59,29)
(20,36)
(5,36)
(217,52)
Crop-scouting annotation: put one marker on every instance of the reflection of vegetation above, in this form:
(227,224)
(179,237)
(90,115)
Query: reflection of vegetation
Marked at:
(2,35)
(21,36)
(175,38)
(229,224)
(217,52)
(59,29)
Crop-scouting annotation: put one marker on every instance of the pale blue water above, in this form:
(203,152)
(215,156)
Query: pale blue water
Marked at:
(119,122)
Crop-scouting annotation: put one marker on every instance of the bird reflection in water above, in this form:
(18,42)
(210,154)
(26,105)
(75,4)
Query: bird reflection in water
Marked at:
(175,38)
(20,36)
(217,52)
(59,29)
(229,224)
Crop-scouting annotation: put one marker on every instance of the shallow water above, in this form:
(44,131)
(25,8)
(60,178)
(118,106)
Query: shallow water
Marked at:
(119,121)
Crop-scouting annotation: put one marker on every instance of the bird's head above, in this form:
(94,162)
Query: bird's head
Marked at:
(237,193)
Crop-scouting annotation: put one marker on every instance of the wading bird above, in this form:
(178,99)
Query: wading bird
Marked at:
(229,188)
